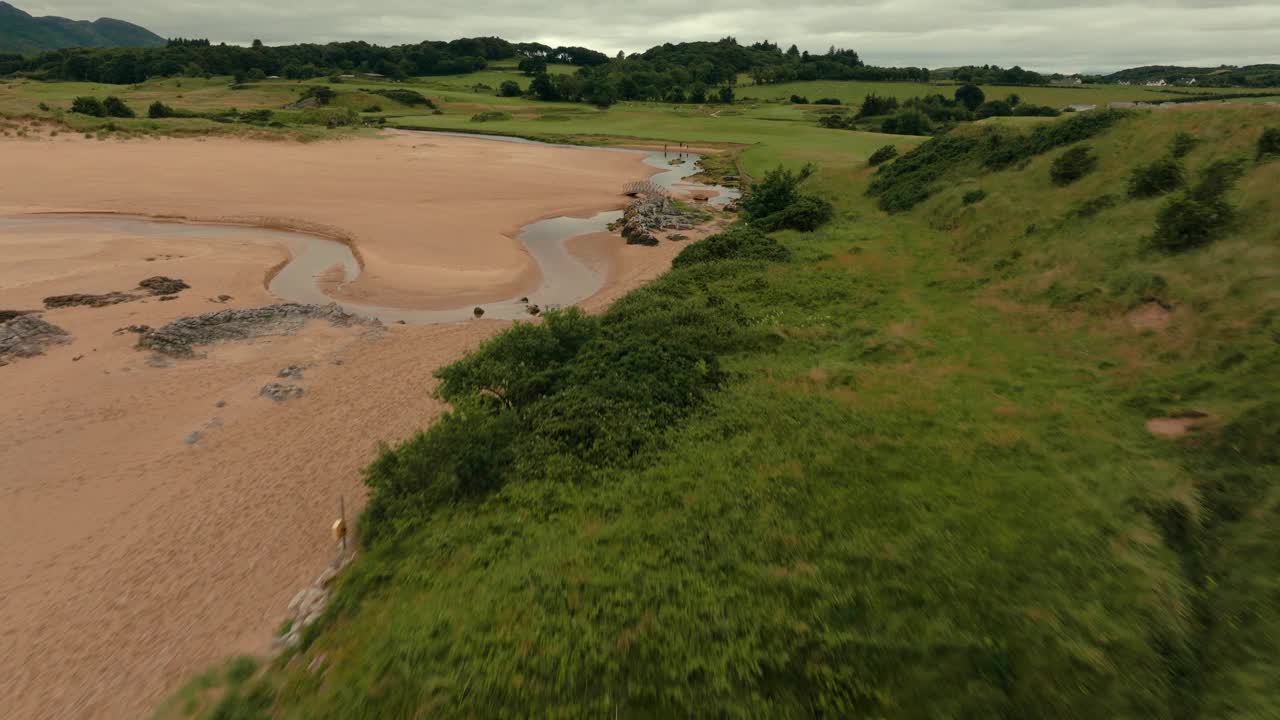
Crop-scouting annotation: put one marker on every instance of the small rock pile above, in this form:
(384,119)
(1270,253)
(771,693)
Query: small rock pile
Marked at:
(161,285)
(648,214)
(25,335)
(180,337)
(112,298)
(308,605)
(280,391)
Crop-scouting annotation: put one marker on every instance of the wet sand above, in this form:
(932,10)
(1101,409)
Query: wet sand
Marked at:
(138,555)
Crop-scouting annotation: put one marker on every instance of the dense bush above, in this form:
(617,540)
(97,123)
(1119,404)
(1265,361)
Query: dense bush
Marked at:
(836,121)
(874,105)
(257,117)
(1182,144)
(883,155)
(911,178)
(806,213)
(563,399)
(1201,214)
(159,110)
(1164,175)
(779,188)
(115,107)
(971,96)
(827,101)
(1072,165)
(490,116)
(738,242)
(509,88)
(994,108)
(412,98)
(907,122)
(1080,126)
(1269,143)
(974,196)
(91,106)
(799,100)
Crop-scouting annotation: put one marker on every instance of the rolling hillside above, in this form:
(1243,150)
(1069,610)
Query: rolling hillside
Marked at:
(993,442)
(20,32)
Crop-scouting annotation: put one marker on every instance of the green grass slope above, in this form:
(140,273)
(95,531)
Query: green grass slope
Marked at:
(22,33)
(900,469)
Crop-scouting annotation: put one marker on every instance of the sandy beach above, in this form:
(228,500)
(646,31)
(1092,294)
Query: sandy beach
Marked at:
(160,515)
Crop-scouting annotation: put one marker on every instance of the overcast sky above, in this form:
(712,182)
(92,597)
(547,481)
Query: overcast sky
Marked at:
(1038,34)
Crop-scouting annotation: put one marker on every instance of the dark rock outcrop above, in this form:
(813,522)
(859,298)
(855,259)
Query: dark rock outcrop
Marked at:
(180,337)
(26,335)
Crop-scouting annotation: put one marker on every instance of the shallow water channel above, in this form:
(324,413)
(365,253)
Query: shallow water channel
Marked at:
(565,279)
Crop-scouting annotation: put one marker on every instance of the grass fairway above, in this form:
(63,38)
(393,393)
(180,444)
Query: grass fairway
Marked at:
(925,488)
(851,92)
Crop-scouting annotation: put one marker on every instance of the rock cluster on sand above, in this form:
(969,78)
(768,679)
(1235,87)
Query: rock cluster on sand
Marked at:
(179,337)
(648,214)
(25,335)
(112,298)
(280,391)
(161,285)
(308,605)
(165,287)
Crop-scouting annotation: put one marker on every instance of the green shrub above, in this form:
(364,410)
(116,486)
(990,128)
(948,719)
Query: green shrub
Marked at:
(974,196)
(159,110)
(91,106)
(116,108)
(1079,126)
(827,101)
(1201,214)
(1164,175)
(411,98)
(1183,143)
(907,122)
(321,94)
(372,109)
(807,213)
(836,121)
(883,155)
(737,242)
(1269,143)
(1072,165)
(509,88)
(779,189)
(799,100)
(490,116)
(874,105)
(257,117)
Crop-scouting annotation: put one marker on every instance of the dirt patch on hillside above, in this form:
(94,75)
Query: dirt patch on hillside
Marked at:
(1176,426)
(1150,316)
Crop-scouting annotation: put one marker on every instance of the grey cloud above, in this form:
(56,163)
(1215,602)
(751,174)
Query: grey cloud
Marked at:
(1039,34)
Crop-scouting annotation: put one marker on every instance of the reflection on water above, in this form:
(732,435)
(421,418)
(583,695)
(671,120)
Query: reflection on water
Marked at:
(565,279)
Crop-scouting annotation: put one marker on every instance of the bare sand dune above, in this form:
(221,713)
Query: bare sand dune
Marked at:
(158,519)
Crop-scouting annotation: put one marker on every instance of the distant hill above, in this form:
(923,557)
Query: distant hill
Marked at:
(1224,76)
(22,33)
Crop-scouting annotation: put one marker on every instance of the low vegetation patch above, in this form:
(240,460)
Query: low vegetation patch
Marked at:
(776,203)
(490,116)
(1269,143)
(883,155)
(1201,214)
(1073,164)
(1161,176)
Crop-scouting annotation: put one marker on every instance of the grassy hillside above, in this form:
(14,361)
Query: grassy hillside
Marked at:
(900,469)
(22,33)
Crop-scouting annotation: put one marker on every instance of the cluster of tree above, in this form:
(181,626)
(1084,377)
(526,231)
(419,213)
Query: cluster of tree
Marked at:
(624,79)
(924,115)
(197,58)
(993,75)
(583,57)
(112,106)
